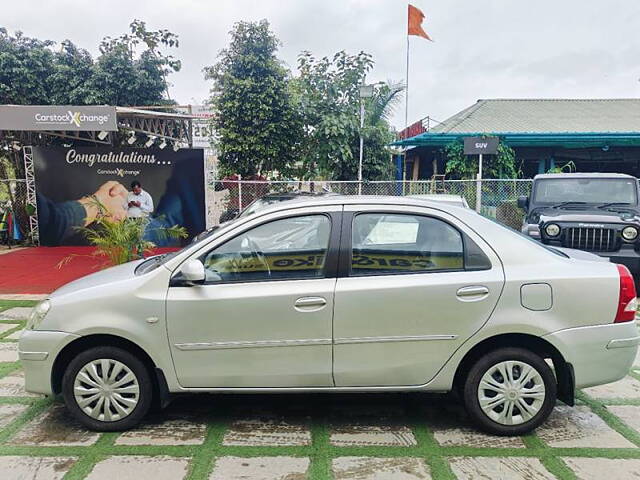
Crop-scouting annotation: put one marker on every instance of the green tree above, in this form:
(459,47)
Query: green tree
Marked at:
(378,133)
(131,70)
(25,67)
(257,126)
(70,80)
(327,91)
(124,77)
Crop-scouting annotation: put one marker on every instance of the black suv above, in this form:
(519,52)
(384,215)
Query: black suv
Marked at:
(596,212)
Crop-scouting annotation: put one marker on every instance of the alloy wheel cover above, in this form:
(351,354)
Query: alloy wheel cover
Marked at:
(106,390)
(511,392)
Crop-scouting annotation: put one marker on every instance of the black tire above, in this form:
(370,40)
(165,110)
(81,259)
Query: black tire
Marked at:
(133,363)
(487,362)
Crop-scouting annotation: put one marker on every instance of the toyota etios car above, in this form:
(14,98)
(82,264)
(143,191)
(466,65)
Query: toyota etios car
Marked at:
(339,294)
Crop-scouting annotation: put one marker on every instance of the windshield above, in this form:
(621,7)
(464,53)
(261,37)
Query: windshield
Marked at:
(585,190)
(153,262)
(255,206)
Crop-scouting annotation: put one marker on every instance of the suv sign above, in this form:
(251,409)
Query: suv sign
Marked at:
(480,145)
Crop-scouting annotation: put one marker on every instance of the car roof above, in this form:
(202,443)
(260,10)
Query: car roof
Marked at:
(583,175)
(382,200)
(442,197)
(296,194)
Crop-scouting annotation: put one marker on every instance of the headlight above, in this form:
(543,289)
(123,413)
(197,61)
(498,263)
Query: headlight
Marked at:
(37,314)
(552,230)
(629,233)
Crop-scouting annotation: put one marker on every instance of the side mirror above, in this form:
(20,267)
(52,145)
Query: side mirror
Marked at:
(523,202)
(193,271)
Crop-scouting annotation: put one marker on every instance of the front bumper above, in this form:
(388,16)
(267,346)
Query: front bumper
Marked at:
(38,350)
(599,354)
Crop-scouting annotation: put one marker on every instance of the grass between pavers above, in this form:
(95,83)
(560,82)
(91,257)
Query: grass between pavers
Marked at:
(203,457)
(320,452)
(5,304)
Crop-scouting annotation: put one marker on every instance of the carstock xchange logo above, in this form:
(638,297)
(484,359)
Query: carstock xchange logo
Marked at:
(75,118)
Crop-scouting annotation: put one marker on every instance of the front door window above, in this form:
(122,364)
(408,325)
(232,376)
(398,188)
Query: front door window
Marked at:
(287,249)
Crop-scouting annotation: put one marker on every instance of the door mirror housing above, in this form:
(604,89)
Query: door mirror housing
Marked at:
(523,202)
(192,271)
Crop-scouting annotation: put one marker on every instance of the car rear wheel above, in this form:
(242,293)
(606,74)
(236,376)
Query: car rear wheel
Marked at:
(510,391)
(107,389)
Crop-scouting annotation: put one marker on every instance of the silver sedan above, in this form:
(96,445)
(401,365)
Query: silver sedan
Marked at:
(339,294)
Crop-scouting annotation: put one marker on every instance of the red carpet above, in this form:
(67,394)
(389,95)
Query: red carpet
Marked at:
(35,270)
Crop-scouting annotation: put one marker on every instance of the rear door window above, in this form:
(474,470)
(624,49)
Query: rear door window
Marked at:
(385,243)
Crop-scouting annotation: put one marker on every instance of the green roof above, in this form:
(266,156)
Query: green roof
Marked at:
(527,122)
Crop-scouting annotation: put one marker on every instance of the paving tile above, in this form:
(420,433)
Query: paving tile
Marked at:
(35,468)
(8,413)
(574,427)
(16,313)
(12,385)
(267,431)
(54,427)
(371,435)
(135,467)
(15,335)
(451,427)
(627,388)
(359,426)
(5,327)
(499,468)
(8,352)
(165,431)
(629,414)
(372,468)
(599,468)
(260,468)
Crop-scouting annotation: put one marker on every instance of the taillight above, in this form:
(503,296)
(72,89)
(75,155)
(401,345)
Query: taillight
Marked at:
(627,303)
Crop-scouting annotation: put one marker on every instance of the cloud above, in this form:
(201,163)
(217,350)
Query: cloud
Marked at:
(496,48)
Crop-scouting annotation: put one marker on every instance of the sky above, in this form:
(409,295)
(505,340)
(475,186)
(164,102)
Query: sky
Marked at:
(482,48)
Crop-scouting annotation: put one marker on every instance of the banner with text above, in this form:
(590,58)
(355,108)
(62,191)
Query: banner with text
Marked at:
(77,185)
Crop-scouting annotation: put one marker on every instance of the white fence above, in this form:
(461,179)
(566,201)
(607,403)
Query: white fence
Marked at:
(225,198)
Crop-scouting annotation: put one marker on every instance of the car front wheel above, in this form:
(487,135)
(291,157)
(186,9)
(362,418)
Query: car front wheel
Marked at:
(510,391)
(107,389)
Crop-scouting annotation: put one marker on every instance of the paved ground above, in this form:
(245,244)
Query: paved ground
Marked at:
(355,437)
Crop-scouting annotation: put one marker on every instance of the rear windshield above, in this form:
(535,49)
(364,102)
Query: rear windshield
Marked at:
(555,251)
(587,190)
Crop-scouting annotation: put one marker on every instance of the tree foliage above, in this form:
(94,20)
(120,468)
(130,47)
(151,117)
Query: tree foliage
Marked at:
(257,126)
(130,70)
(327,91)
(305,126)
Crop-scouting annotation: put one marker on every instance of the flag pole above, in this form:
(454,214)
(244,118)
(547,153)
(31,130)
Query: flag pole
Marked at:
(406,98)
(406,115)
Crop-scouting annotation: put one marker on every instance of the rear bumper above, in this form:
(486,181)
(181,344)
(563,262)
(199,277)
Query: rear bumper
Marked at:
(627,257)
(38,350)
(599,354)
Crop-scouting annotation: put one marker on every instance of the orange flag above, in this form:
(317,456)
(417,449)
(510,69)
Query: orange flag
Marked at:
(414,26)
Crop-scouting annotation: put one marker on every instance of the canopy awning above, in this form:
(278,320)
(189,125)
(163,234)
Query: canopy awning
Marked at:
(564,140)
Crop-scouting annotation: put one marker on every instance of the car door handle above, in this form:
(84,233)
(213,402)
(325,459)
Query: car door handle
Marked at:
(310,304)
(473,292)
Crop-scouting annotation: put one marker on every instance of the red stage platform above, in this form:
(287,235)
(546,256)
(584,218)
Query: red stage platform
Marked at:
(35,270)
